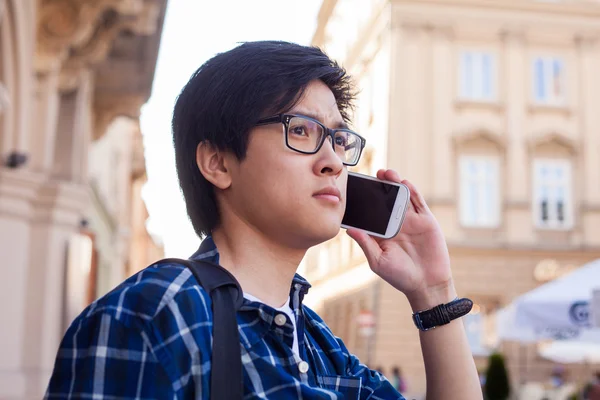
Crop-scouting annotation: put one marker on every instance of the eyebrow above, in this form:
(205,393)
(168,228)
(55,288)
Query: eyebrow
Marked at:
(338,125)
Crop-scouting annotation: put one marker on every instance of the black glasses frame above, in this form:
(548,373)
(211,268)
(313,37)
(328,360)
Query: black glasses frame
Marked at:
(285,120)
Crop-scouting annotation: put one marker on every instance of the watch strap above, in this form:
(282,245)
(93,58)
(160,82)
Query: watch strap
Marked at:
(442,314)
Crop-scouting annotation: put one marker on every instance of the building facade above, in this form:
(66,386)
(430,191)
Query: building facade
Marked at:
(73,76)
(491,109)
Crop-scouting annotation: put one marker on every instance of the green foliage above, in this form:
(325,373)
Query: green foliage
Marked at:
(497,386)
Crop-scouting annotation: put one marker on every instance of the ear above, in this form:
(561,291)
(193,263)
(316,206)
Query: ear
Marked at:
(213,165)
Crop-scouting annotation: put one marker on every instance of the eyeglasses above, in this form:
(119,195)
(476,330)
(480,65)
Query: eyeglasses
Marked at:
(306,135)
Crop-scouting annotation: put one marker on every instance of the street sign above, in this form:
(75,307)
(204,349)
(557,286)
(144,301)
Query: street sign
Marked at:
(366,323)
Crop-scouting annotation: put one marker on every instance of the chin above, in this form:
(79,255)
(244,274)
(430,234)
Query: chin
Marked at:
(325,232)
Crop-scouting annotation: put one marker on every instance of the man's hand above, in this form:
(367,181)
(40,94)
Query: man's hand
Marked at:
(416,261)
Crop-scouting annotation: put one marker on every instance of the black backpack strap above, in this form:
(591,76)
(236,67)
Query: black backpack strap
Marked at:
(226,379)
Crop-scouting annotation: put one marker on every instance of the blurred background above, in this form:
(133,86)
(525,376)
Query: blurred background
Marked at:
(492,108)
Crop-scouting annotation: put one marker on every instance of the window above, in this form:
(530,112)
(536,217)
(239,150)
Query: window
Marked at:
(477,76)
(552,193)
(479,191)
(548,81)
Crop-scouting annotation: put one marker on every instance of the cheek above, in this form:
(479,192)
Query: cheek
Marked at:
(276,176)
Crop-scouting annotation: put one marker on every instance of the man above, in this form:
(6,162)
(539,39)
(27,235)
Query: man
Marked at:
(263,189)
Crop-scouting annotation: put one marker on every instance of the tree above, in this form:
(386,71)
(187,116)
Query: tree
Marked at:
(497,386)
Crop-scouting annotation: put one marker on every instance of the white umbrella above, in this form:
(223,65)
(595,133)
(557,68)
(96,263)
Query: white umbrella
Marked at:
(508,329)
(569,351)
(559,309)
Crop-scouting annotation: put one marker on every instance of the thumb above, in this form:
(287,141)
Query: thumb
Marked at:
(368,245)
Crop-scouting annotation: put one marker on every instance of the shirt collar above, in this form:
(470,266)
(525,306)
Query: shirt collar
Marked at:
(208,251)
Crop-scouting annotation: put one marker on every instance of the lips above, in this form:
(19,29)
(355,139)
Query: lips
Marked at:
(331,193)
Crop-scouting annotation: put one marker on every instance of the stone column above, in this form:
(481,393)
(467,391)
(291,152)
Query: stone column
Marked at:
(514,95)
(18,189)
(396,114)
(73,134)
(407,132)
(58,209)
(442,98)
(45,124)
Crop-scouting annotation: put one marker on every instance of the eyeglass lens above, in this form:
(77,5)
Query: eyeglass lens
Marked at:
(306,135)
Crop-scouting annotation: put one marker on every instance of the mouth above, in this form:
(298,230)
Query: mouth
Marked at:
(330,194)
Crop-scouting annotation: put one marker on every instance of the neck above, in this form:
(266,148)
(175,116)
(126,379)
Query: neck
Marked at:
(263,267)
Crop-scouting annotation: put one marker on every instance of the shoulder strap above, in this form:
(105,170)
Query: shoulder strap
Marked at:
(226,379)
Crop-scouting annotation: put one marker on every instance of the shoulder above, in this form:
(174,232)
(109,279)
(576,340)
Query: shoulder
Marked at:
(156,290)
(157,322)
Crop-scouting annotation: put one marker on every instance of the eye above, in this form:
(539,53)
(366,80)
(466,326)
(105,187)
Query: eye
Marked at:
(341,141)
(298,130)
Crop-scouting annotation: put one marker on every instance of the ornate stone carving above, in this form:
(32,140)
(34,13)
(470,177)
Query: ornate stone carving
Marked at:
(85,29)
(78,35)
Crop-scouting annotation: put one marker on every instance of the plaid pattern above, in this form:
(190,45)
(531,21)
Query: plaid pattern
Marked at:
(150,338)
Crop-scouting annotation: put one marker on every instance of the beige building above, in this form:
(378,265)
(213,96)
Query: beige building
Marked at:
(73,76)
(492,109)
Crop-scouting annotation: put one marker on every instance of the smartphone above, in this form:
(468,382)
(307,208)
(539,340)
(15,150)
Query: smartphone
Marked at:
(374,206)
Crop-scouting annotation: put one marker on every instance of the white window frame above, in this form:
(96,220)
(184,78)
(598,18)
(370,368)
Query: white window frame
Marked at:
(467,181)
(548,63)
(550,185)
(472,76)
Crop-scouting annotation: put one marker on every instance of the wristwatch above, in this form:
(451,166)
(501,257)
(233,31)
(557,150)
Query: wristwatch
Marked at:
(442,314)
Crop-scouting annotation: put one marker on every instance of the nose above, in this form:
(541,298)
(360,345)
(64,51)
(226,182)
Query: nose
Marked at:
(328,162)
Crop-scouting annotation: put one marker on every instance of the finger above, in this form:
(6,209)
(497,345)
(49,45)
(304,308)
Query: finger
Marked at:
(381,174)
(392,176)
(416,199)
(368,245)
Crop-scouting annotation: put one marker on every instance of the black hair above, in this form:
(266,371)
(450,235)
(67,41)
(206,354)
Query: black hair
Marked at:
(228,94)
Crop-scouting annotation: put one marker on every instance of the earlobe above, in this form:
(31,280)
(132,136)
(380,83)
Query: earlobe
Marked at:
(212,164)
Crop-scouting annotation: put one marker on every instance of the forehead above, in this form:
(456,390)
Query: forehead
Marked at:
(319,103)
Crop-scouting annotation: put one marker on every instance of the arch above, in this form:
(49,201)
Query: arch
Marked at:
(478,137)
(552,140)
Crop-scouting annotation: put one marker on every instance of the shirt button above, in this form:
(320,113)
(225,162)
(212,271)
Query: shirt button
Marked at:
(303,367)
(280,319)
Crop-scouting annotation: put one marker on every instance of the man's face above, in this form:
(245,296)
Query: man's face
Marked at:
(277,190)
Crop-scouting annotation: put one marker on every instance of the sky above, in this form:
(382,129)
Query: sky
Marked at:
(194,31)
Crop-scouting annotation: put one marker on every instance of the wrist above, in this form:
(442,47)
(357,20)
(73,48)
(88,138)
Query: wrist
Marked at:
(427,298)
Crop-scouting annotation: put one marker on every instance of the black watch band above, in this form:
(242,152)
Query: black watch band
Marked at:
(442,314)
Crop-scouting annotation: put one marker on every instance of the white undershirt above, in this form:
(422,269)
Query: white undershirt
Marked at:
(285,308)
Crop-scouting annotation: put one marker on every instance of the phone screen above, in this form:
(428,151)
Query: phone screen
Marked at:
(369,204)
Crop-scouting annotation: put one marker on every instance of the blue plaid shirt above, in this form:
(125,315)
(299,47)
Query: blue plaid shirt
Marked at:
(150,338)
